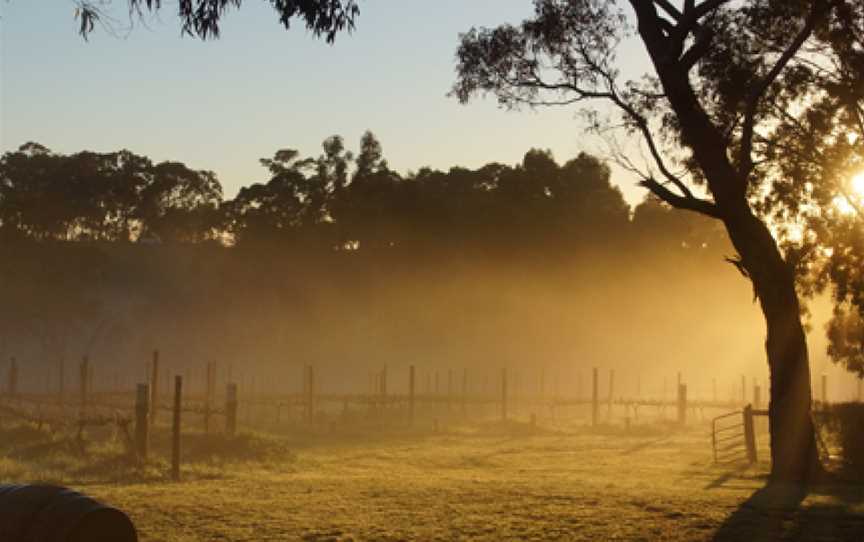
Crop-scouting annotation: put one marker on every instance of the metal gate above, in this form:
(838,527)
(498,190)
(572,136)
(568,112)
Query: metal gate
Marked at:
(733,436)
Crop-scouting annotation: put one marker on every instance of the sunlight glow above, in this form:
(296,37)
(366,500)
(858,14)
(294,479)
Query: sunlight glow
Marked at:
(858,185)
(855,193)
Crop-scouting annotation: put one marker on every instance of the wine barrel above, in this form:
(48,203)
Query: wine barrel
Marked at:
(43,513)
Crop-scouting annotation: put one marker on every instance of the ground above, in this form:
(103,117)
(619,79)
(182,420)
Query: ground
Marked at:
(470,481)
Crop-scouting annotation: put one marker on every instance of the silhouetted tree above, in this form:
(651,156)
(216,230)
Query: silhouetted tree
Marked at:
(720,68)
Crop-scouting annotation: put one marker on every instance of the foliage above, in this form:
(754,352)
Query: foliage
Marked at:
(756,104)
(845,422)
(202,18)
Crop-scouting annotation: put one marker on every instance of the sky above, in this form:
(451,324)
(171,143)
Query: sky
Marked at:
(221,105)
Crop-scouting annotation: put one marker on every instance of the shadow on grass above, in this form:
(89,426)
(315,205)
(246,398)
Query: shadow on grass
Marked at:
(793,512)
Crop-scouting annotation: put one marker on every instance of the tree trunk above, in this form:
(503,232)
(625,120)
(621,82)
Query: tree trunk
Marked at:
(794,456)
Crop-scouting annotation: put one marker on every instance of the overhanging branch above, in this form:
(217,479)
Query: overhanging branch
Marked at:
(694,204)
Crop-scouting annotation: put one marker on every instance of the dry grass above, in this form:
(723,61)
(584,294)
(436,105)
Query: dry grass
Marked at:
(471,482)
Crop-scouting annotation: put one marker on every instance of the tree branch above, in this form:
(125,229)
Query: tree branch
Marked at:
(696,205)
(745,159)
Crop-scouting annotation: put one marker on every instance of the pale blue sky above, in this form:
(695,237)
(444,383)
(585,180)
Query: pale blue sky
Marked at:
(223,104)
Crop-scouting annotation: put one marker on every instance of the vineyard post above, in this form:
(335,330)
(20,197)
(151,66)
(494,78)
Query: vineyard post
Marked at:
(142,410)
(682,404)
(824,389)
(154,387)
(465,393)
(411,382)
(231,410)
(12,388)
(749,434)
(208,395)
(175,443)
(85,371)
(384,388)
(449,389)
(611,393)
(595,399)
(62,381)
(504,394)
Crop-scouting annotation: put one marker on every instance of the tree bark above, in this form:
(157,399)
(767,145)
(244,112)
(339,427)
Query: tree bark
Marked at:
(794,456)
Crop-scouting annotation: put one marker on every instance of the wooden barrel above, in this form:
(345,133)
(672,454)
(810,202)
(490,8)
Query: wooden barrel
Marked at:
(42,513)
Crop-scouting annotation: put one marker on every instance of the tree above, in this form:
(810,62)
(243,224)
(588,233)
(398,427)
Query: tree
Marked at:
(202,18)
(709,107)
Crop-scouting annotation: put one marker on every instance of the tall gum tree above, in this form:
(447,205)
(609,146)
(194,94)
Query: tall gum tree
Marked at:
(706,117)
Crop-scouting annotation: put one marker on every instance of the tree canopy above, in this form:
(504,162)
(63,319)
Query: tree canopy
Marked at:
(203,18)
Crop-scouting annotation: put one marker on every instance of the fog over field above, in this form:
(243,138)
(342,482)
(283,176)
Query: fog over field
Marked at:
(350,270)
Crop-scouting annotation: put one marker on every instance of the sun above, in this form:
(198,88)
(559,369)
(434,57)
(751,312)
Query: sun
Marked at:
(857,185)
(847,203)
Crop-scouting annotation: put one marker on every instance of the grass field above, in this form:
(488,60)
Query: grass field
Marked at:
(481,481)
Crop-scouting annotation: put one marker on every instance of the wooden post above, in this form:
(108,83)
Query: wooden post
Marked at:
(579,394)
(595,397)
(142,411)
(85,372)
(504,394)
(208,395)
(411,395)
(175,442)
(449,389)
(542,383)
(154,387)
(860,380)
(749,434)
(611,391)
(465,392)
(384,387)
(682,404)
(231,410)
(757,396)
(310,393)
(12,388)
(62,382)
(824,389)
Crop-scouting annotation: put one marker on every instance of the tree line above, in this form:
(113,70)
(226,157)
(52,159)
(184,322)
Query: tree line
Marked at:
(113,254)
(337,201)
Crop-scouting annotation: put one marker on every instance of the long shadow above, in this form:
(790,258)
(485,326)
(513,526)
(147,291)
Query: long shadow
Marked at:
(780,512)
